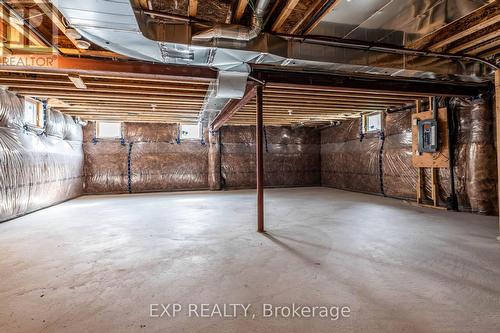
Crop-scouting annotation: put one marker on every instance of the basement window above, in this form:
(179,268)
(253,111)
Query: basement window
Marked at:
(33,113)
(108,130)
(372,122)
(189,131)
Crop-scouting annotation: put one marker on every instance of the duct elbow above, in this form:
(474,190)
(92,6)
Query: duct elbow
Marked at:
(233,32)
(237,32)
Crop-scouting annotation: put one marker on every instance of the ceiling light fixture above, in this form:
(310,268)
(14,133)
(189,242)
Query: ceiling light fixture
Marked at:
(77,81)
(73,34)
(81,44)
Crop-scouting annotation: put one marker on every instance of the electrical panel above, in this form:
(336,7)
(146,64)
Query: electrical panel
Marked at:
(428,136)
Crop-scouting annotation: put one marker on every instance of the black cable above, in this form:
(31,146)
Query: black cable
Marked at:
(381,162)
(129,167)
(265,138)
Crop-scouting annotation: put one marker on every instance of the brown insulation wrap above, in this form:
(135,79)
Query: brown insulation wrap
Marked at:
(36,170)
(378,163)
(475,176)
(349,162)
(359,165)
(148,159)
(399,174)
(160,166)
(105,166)
(291,156)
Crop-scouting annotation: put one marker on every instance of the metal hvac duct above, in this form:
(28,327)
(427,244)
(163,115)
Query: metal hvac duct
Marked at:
(124,27)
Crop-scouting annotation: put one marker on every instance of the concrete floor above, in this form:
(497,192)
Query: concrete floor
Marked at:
(95,264)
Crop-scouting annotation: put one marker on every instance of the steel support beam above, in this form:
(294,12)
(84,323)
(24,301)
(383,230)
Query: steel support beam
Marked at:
(259,159)
(233,106)
(134,69)
(370,83)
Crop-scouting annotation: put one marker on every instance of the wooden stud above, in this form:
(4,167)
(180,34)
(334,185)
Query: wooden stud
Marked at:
(435,188)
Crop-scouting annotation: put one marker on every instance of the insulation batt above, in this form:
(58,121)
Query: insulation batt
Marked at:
(157,161)
(291,156)
(37,170)
(475,170)
(349,163)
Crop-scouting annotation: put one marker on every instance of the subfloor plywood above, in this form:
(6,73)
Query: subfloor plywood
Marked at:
(97,263)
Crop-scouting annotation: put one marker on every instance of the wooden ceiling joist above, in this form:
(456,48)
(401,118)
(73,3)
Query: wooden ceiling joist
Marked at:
(193,8)
(320,14)
(240,10)
(307,16)
(474,42)
(49,11)
(466,32)
(480,19)
(284,14)
(485,47)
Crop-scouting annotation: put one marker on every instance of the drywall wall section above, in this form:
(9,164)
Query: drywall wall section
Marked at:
(37,168)
(381,163)
(291,156)
(149,158)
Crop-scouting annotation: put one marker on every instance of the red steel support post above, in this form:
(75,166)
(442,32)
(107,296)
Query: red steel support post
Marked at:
(259,161)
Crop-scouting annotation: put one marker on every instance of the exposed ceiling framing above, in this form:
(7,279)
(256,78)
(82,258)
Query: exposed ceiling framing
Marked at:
(475,34)
(288,104)
(133,99)
(137,91)
(240,10)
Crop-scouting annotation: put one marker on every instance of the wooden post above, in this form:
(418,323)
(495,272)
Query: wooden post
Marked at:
(497,115)
(435,189)
(420,171)
(259,160)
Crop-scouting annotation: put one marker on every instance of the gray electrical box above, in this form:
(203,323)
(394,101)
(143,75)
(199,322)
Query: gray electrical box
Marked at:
(428,136)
